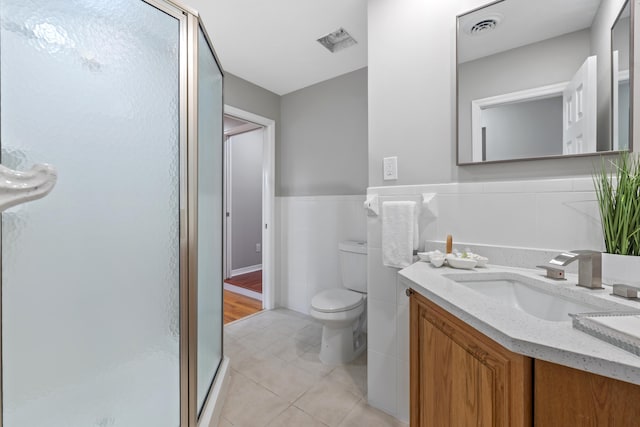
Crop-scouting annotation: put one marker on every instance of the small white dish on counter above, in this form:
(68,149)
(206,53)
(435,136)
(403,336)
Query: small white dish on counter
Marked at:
(463,263)
(482,261)
(437,261)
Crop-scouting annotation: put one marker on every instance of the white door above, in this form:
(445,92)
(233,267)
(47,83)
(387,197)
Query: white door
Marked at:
(580,110)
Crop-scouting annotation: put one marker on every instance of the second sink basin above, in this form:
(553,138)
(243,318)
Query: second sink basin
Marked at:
(521,293)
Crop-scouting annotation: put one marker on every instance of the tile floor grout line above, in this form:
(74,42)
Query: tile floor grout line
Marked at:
(337,394)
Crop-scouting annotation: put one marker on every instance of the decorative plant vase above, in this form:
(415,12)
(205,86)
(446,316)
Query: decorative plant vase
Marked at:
(623,269)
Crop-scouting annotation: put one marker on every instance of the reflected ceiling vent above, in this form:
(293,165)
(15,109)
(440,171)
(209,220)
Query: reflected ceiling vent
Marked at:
(337,40)
(483,25)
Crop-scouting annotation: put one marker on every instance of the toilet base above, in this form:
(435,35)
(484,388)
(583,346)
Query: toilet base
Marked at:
(339,345)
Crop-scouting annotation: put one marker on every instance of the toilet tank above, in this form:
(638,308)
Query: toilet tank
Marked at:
(353,265)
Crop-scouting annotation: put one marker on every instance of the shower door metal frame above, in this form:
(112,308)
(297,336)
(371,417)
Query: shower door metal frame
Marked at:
(194,27)
(190,327)
(189,25)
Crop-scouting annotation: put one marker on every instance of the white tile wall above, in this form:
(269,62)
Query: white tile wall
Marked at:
(555,215)
(569,218)
(402,391)
(381,370)
(309,230)
(381,321)
(383,289)
(468,217)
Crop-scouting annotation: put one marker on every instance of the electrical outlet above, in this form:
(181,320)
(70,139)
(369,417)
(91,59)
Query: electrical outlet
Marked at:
(258,247)
(390,168)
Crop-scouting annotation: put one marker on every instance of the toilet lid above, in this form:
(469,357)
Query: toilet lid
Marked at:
(335,300)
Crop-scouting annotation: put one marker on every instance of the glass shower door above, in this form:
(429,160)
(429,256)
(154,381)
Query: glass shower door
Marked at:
(209,285)
(90,274)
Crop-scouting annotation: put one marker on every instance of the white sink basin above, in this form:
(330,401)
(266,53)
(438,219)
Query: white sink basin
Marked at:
(527,294)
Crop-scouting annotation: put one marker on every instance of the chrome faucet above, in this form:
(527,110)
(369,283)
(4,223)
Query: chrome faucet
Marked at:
(589,266)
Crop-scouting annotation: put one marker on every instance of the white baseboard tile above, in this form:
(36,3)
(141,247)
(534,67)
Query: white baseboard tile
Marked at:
(245,270)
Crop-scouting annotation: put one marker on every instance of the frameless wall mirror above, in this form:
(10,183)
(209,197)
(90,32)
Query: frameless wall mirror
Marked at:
(534,79)
(620,87)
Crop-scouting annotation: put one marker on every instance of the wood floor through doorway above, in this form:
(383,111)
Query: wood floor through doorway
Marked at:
(237,306)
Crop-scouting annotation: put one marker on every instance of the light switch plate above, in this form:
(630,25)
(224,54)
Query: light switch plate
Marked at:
(390,168)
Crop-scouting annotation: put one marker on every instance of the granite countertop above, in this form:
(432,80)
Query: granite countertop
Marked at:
(522,333)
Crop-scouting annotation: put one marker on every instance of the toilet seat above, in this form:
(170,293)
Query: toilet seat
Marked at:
(336,300)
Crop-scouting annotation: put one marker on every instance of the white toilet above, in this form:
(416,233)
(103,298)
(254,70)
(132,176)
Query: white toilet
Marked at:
(342,311)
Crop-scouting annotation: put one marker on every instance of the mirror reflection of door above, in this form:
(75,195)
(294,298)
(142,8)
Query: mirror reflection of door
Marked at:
(579,111)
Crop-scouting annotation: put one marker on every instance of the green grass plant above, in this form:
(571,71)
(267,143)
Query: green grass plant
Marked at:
(618,194)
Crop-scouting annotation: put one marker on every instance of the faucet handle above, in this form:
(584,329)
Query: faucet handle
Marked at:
(553,272)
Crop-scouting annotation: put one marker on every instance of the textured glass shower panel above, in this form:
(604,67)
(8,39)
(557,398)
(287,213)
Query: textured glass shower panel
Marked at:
(209,218)
(90,274)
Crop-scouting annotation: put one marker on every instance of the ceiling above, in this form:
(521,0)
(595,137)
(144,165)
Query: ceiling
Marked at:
(273,43)
(523,22)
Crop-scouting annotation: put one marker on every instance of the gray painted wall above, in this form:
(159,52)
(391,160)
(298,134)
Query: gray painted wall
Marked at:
(321,133)
(411,99)
(246,96)
(246,200)
(524,129)
(323,145)
(547,62)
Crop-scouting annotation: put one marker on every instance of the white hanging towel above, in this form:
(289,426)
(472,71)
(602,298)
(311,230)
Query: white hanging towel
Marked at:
(399,233)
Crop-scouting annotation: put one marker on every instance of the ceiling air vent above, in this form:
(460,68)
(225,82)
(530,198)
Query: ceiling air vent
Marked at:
(483,26)
(337,40)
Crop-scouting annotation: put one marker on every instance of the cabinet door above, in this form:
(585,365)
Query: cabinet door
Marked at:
(459,377)
(566,396)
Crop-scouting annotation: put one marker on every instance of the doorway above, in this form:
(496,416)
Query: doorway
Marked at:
(248,198)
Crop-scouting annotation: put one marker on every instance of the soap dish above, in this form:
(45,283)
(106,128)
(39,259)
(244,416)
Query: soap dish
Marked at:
(464,263)
(615,328)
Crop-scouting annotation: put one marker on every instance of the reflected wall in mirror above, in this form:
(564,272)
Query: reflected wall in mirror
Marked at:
(534,79)
(620,87)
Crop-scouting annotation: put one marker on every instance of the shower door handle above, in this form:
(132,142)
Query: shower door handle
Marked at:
(18,187)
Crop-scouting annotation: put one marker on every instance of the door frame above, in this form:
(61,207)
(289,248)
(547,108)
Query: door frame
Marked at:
(227,220)
(228,192)
(268,200)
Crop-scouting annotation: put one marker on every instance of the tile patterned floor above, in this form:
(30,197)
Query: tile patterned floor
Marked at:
(277,379)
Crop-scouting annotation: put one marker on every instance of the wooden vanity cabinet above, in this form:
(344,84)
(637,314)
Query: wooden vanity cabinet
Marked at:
(569,397)
(459,377)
